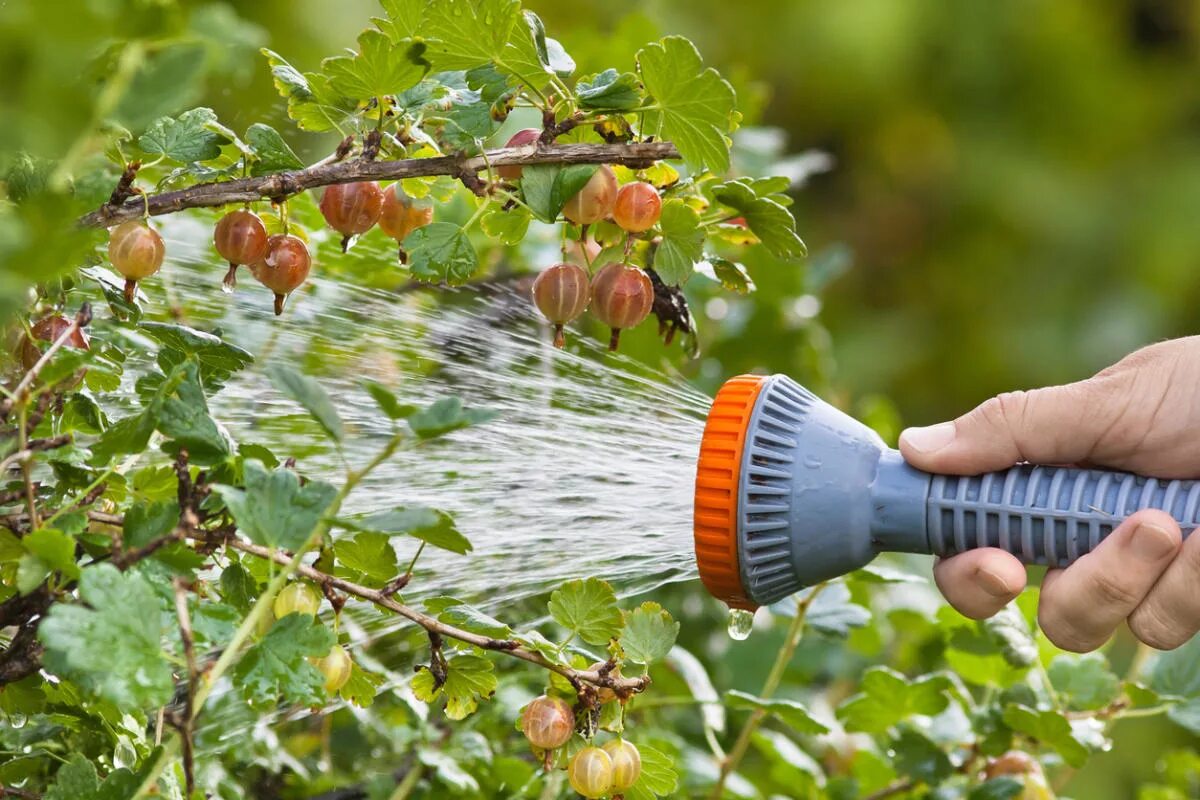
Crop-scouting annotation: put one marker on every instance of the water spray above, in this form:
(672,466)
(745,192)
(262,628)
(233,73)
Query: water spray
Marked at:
(791,492)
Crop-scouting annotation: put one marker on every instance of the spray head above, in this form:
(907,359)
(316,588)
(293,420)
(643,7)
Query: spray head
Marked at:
(791,492)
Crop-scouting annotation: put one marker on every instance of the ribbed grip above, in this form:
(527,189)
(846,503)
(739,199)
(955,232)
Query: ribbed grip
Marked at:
(1046,515)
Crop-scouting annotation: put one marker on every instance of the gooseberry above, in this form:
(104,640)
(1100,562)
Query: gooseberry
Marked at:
(591,772)
(48,329)
(595,200)
(352,208)
(1014,762)
(401,214)
(561,293)
(284,268)
(296,598)
(622,297)
(548,722)
(137,251)
(336,667)
(637,207)
(241,238)
(627,763)
(512,172)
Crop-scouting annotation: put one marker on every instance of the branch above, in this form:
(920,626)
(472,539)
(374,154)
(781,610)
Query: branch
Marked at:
(283,184)
(599,677)
(184,721)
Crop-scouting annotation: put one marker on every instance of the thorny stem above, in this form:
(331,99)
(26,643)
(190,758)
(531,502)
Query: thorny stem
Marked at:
(782,659)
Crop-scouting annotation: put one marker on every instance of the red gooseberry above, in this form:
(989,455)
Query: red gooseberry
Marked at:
(561,293)
(284,268)
(622,297)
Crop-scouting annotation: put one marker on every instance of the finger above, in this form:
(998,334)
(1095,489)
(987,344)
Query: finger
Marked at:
(980,582)
(1056,425)
(1083,604)
(1170,614)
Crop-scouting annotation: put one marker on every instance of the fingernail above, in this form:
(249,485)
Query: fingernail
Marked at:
(993,584)
(929,439)
(1152,543)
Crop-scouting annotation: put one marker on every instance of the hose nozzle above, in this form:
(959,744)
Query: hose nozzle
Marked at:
(791,492)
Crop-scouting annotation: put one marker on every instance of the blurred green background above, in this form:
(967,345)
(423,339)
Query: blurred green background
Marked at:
(1017,183)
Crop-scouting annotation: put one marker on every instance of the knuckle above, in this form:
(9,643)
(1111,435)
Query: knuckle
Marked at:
(1149,625)
(1110,592)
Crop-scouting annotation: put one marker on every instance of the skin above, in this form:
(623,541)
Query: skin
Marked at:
(1141,415)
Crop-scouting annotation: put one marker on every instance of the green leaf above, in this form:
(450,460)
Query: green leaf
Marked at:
(369,556)
(277,666)
(271,152)
(311,102)
(380,68)
(166,81)
(509,226)
(765,214)
(218,359)
(362,686)
(445,416)
(1084,682)
(682,243)
(694,105)
(449,771)
(1003,788)
(587,608)
(183,417)
(145,522)
(387,401)
(405,19)
(1177,672)
(1047,727)
(10,547)
(77,780)
(274,509)
(238,587)
(124,608)
(311,395)
(609,91)
(731,275)
(464,34)
(1010,630)
(427,524)
(441,252)
(468,678)
(548,187)
(915,754)
(54,549)
(184,139)
(886,697)
(793,714)
(649,633)
(455,612)
(833,612)
(658,777)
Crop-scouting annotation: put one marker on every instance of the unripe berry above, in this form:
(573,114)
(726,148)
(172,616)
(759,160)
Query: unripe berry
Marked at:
(548,722)
(136,250)
(284,268)
(1014,762)
(521,138)
(352,208)
(561,293)
(627,763)
(595,200)
(637,207)
(591,772)
(296,598)
(241,238)
(622,297)
(48,329)
(336,667)
(401,214)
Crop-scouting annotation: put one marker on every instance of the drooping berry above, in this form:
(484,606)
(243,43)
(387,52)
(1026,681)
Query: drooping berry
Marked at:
(241,238)
(548,722)
(352,208)
(637,207)
(591,772)
(512,172)
(137,251)
(595,200)
(284,268)
(561,293)
(402,214)
(48,329)
(627,763)
(336,667)
(296,598)
(622,297)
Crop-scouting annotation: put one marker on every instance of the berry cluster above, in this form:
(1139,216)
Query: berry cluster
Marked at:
(549,723)
(301,598)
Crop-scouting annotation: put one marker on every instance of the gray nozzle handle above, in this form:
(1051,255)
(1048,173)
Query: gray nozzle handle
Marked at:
(1042,515)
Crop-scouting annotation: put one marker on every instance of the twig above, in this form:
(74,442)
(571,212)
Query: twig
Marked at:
(82,318)
(284,184)
(891,790)
(184,721)
(10,791)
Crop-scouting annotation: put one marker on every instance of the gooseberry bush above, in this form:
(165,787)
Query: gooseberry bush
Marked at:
(175,599)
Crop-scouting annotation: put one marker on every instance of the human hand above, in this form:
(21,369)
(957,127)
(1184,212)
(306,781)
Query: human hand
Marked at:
(1141,415)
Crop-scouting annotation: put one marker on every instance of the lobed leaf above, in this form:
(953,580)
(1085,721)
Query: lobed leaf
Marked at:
(587,608)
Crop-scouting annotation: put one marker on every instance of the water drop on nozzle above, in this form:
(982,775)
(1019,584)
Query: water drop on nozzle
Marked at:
(741,622)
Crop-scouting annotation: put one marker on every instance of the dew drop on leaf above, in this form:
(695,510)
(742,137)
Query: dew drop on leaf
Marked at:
(741,622)
(124,755)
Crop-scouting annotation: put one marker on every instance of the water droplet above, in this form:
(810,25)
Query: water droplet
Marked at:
(741,622)
(124,755)
(17,720)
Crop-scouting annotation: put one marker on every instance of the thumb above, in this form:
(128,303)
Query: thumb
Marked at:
(1055,425)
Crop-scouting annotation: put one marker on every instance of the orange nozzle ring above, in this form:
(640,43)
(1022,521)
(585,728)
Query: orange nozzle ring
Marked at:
(716,512)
